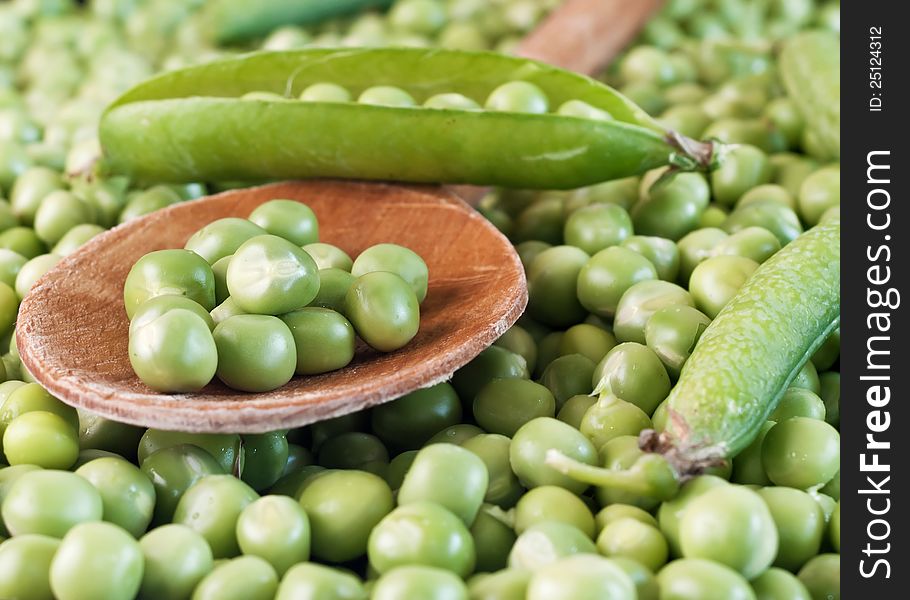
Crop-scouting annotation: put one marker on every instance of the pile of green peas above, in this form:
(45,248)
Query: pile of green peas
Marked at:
(256,300)
(442,493)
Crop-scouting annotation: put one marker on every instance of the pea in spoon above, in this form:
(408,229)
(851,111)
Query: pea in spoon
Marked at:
(72,332)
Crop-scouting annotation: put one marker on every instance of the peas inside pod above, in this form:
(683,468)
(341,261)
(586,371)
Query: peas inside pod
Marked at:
(255,301)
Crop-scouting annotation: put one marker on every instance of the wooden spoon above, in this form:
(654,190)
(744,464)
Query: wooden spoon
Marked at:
(72,331)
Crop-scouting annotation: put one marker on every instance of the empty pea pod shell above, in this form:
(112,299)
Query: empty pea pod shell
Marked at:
(191,125)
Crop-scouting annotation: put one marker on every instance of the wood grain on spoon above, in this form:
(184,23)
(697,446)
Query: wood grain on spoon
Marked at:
(72,331)
(582,36)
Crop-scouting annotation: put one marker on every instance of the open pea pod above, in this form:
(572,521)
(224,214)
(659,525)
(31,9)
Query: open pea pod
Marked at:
(192,125)
(233,21)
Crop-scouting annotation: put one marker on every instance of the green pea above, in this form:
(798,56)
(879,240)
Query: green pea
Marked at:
(607,275)
(574,409)
(10,264)
(672,511)
(630,538)
(800,525)
(671,333)
(821,576)
(671,209)
(819,192)
(699,579)
(270,275)
(25,566)
(107,197)
(276,529)
(383,309)
(322,431)
(568,376)
(790,170)
(292,484)
(755,243)
(59,212)
(551,503)
(716,280)
(311,580)
(588,340)
(411,420)
(830,395)
(518,96)
(354,450)
(492,363)
(696,247)
(31,187)
(786,117)
(333,287)
(31,397)
(96,561)
(531,444)
(22,240)
(179,272)
(832,488)
(754,132)
(646,95)
(151,309)
(256,353)
(807,378)
(503,488)
(148,201)
(174,352)
(493,539)
(799,402)
(328,256)
(768,192)
(265,456)
(343,508)
(226,449)
(610,418)
(32,271)
(646,63)
(773,216)
(174,469)
(552,281)
(422,533)
(744,168)
(325,92)
(542,221)
(548,351)
(222,238)
(597,226)
(801,453)
(640,302)
(211,507)
(398,468)
(634,373)
(507,584)
(288,219)
(417,581)
(504,405)
(41,438)
(243,578)
(386,95)
(127,495)
(298,457)
(689,119)
(622,192)
(219,271)
(825,357)
(747,465)
(394,259)
(546,542)
(450,476)
(451,102)
(225,310)
(622,453)
(617,512)
(834,528)
(176,559)
(583,110)
(324,339)
(777,584)
(521,342)
(662,253)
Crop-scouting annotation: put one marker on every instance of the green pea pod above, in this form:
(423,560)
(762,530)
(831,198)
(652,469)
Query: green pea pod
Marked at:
(233,21)
(810,68)
(191,125)
(741,367)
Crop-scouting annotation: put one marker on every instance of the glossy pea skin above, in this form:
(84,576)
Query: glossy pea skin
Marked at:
(211,507)
(830,395)
(597,226)
(607,275)
(518,96)
(581,577)
(408,422)
(386,95)
(567,376)
(768,192)
(744,168)
(153,308)
(747,465)
(699,579)
(276,529)
(807,378)
(416,581)
(493,362)
(503,487)
(32,271)
(640,302)
(10,264)
(256,353)
(343,508)
(422,533)
(76,237)
(645,583)
(506,584)
(825,357)
(493,539)
(541,221)
(41,438)
(448,475)
(661,252)
(174,469)
(31,397)
(672,332)
(801,453)
(174,271)
(222,238)
(451,102)
(588,340)
(548,351)
(633,372)
(696,247)
(219,270)
(324,339)
(139,203)
(96,432)
(24,566)
(583,110)
(776,218)
(265,456)
(288,219)
(384,310)
(715,281)
(551,503)
(22,240)
(671,209)
(730,525)
(504,405)
(615,512)
(242,578)
(311,580)
(546,542)
(574,409)
(225,448)
(271,276)
(800,525)
(30,188)
(325,92)
(798,402)
(174,352)
(821,576)
(672,511)
(393,258)
(127,495)
(333,287)
(176,559)
(328,256)
(531,443)
(755,243)
(610,418)
(354,450)
(621,453)
(96,561)
(819,192)
(398,468)
(630,538)
(777,584)
(552,282)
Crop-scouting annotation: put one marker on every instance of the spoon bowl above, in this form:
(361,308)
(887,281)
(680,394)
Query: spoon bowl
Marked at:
(72,331)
